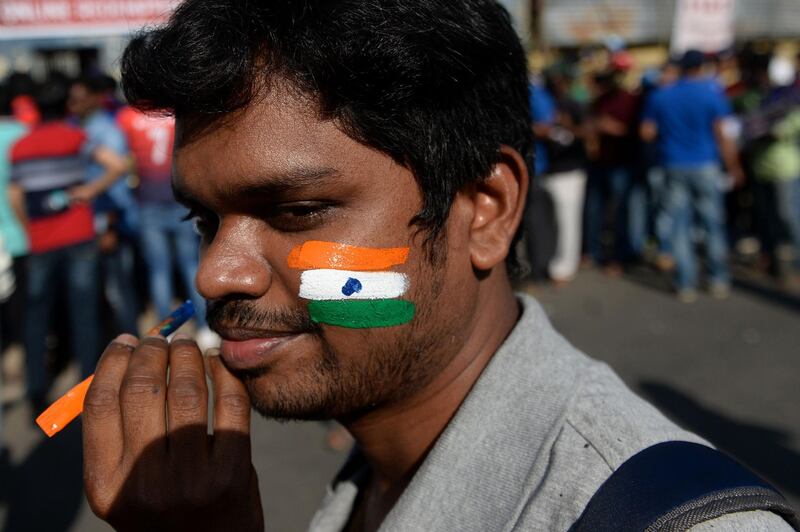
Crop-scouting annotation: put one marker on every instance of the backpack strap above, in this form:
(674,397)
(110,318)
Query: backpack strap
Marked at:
(675,485)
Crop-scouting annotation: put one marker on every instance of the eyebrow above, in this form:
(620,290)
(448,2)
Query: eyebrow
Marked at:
(276,186)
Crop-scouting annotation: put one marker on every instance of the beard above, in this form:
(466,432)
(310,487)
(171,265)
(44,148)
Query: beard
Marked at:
(391,365)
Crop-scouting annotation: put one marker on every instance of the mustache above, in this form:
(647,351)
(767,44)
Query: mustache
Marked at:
(244,314)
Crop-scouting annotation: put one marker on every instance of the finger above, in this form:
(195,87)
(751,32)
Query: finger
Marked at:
(143,397)
(102,425)
(231,411)
(187,401)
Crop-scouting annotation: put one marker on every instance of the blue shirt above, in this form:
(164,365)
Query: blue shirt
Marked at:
(685,113)
(102,131)
(543,111)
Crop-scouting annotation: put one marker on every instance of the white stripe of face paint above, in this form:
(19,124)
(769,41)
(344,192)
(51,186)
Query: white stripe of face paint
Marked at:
(328,285)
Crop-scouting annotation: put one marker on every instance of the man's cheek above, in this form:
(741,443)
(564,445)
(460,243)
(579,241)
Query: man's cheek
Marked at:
(353,287)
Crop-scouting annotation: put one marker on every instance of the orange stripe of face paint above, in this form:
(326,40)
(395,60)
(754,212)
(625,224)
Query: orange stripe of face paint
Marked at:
(330,255)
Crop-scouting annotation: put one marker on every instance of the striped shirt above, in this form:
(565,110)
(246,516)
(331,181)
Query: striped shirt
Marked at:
(46,163)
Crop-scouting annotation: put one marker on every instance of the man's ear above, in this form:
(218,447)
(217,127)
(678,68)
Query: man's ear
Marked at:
(498,205)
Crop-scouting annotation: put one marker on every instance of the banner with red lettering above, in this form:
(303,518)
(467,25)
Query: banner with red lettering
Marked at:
(24,19)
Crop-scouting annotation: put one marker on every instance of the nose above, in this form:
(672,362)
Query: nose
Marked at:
(231,265)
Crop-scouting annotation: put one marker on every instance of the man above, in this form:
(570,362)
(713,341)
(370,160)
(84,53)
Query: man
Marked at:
(15,241)
(51,198)
(773,143)
(116,212)
(613,152)
(539,219)
(357,173)
(165,237)
(687,120)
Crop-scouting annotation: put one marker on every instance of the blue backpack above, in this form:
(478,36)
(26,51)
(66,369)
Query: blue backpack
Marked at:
(673,486)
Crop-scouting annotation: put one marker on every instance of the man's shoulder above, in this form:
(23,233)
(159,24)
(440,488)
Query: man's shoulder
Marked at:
(603,426)
(614,421)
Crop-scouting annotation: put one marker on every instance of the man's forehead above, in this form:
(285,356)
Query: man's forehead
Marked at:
(274,108)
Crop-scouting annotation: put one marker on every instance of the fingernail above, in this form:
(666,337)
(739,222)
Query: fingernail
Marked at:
(126,339)
(182,336)
(212,352)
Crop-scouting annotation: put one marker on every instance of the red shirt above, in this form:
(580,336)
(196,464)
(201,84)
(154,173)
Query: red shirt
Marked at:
(45,163)
(150,139)
(622,106)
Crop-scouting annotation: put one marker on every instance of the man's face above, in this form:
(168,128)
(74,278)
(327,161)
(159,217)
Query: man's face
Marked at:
(81,101)
(274,177)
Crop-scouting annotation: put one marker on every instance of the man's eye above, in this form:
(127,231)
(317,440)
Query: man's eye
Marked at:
(203,223)
(300,216)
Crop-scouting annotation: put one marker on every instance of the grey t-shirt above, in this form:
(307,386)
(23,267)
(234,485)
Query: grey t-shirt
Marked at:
(540,431)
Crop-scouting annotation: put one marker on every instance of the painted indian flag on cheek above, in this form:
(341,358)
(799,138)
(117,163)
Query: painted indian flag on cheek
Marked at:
(350,286)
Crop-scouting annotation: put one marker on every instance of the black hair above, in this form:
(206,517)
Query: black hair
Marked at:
(5,100)
(20,84)
(692,61)
(97,83)
(438,85)
(51,96)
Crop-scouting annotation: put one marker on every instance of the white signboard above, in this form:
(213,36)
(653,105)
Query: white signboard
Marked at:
(705,25)
(26,19)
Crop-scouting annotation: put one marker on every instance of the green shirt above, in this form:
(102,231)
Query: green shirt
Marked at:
(779,160)
(14,237)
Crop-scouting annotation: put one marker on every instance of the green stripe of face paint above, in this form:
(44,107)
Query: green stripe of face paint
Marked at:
(362,313)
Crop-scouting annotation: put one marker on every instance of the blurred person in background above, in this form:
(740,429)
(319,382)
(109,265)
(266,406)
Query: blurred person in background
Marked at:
(773,136)
(15,240)
(51,196)
(539,219)
(655,174)
(115,211)
(687,120)
(166,238)
(7,289)
(613,118)
(565,177)
(23,106)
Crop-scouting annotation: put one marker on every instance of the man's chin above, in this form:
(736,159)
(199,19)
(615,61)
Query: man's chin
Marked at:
(287,402)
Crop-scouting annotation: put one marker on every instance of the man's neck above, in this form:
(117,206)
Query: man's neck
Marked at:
(395,440)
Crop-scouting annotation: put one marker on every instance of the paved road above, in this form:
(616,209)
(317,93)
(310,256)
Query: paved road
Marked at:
(726,369)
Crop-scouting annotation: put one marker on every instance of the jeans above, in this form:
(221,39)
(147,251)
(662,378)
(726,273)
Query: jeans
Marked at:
(76,269)
(661,221)
(690,191)
(119,286)
(778,210)
(609,187)
(161,223)
(638,210)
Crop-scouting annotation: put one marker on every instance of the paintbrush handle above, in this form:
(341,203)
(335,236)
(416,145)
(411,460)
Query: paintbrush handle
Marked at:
(70,405)
(62,412)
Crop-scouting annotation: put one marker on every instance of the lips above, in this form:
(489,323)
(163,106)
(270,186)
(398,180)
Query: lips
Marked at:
(249,349)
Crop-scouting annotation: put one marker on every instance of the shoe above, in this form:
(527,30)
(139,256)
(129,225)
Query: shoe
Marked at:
(206,339)
(665,263)
(719,290)
(687,295)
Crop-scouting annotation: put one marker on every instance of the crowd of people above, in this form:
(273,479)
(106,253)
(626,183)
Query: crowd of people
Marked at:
(686,158)
(703,153)
(86,209)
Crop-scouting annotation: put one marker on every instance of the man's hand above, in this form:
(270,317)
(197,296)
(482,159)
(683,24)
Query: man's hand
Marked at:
(85,193)
(149,462)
